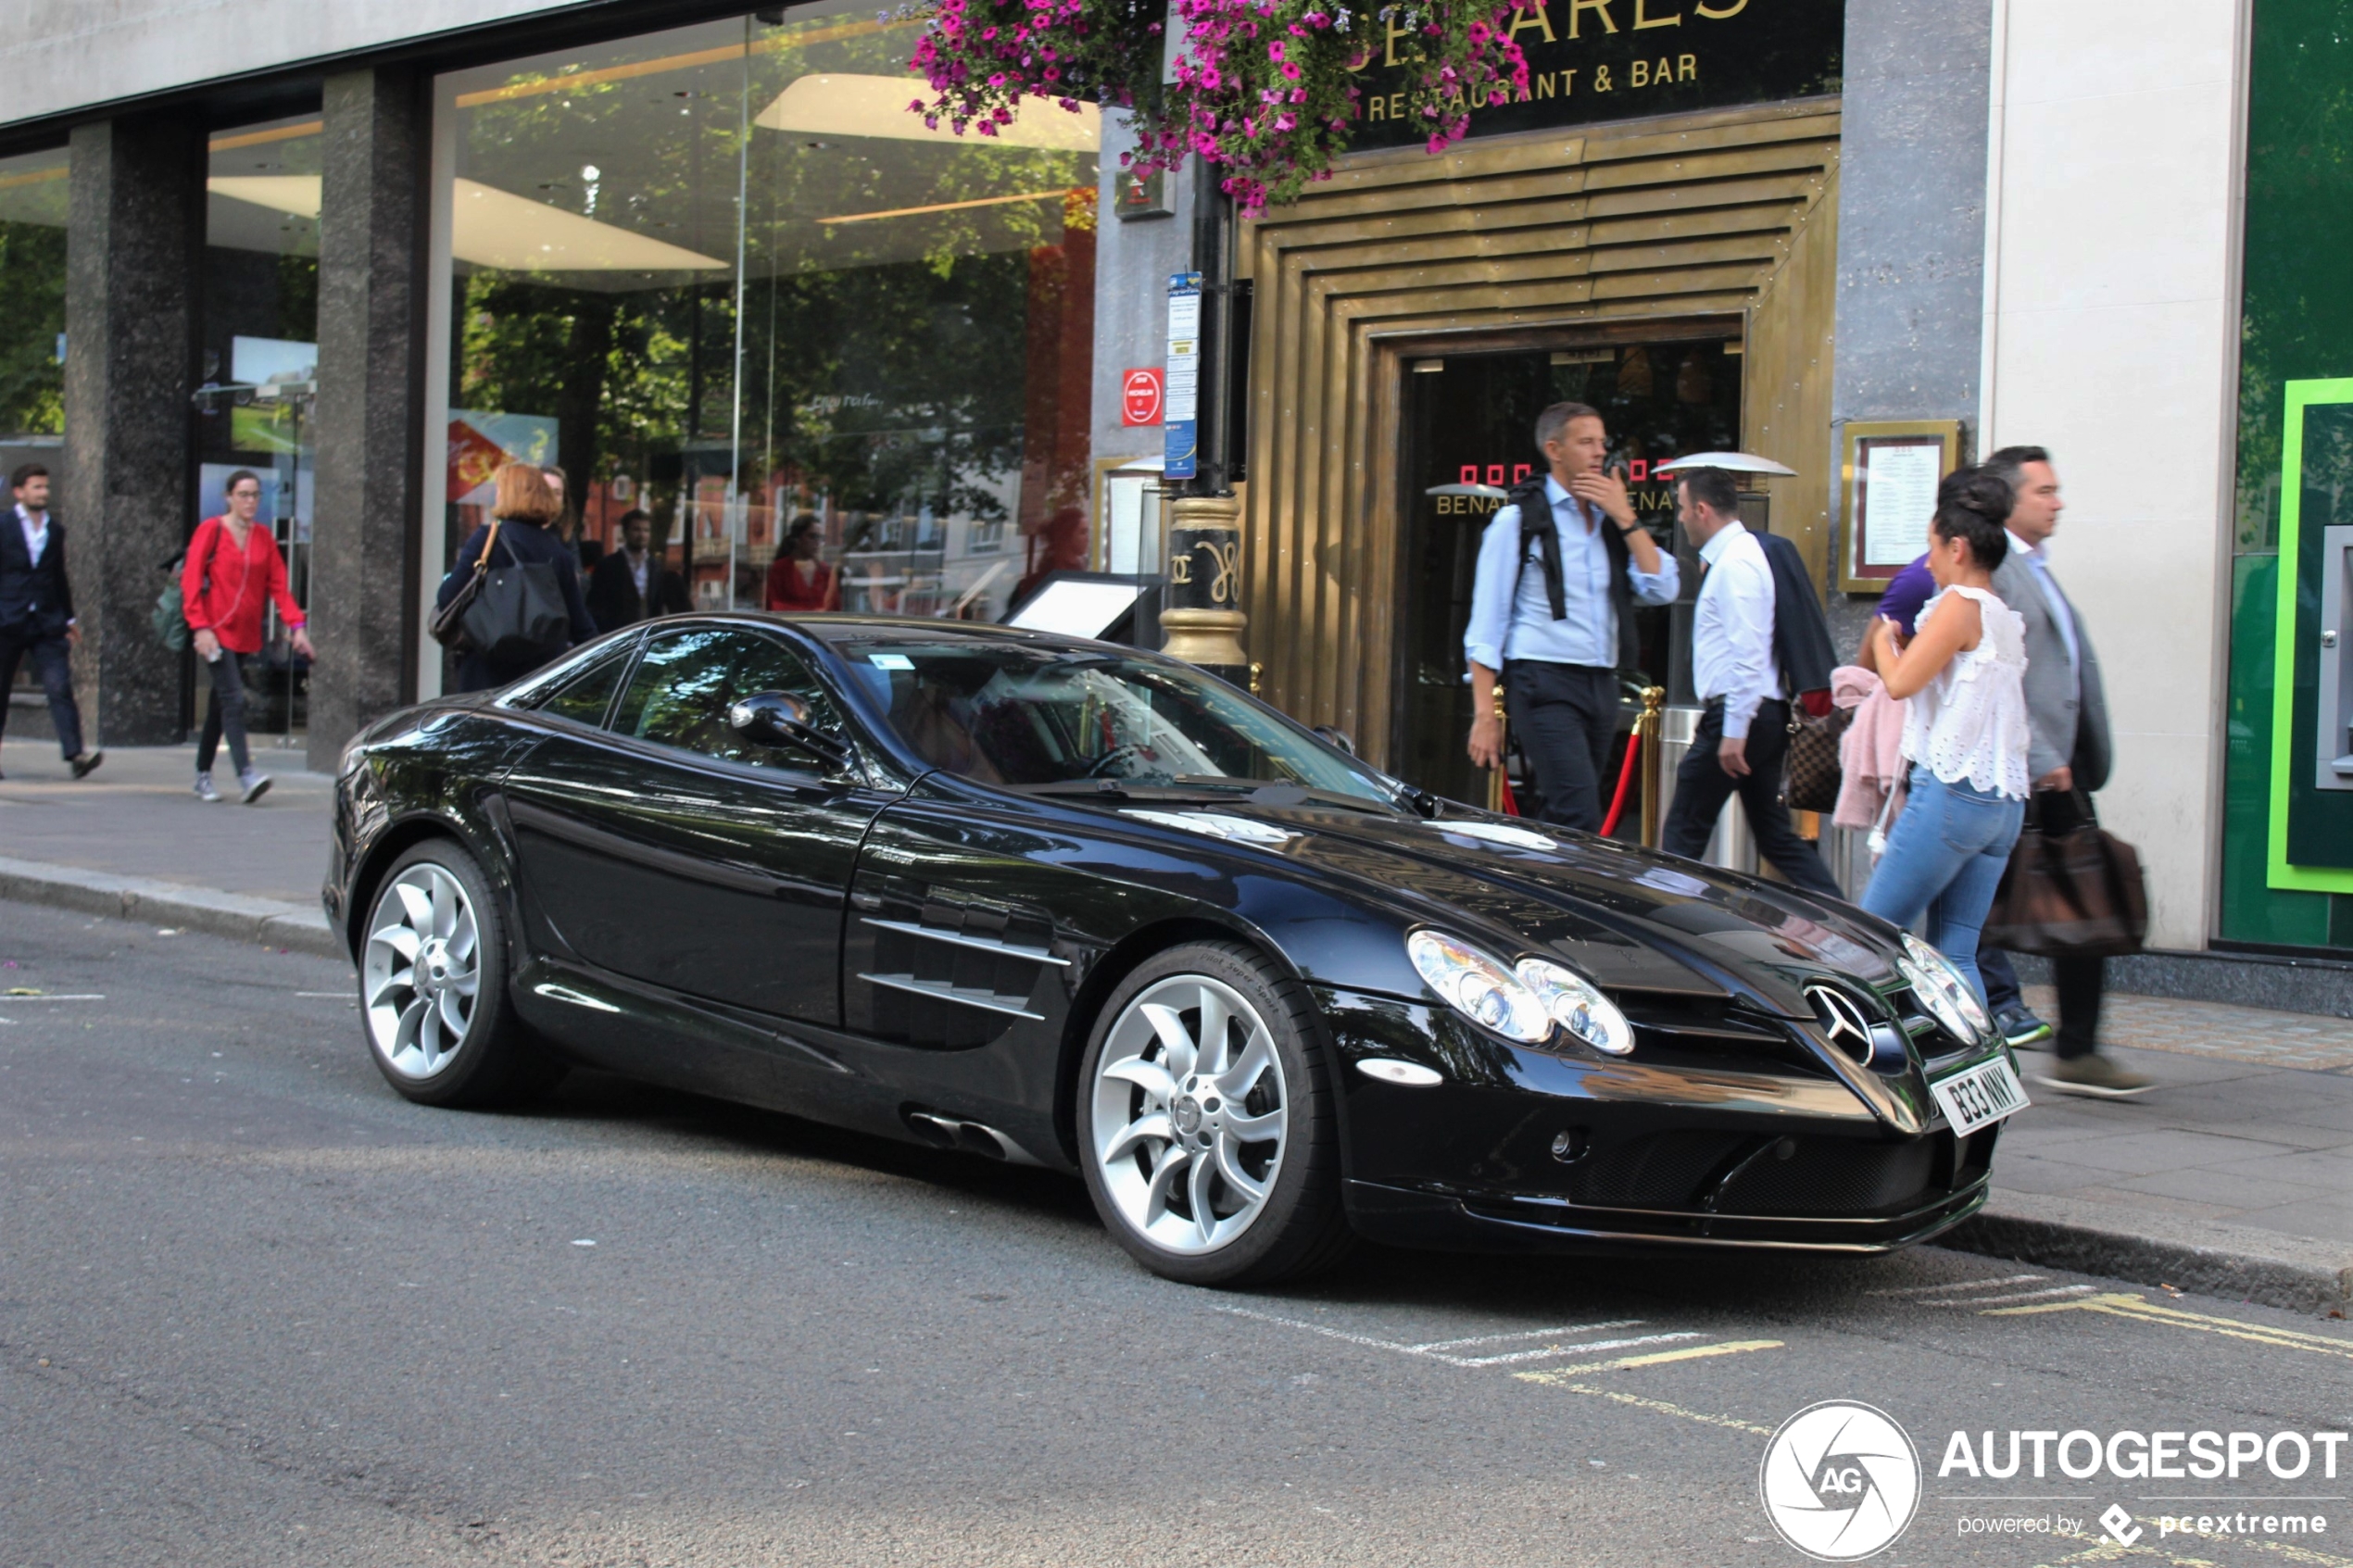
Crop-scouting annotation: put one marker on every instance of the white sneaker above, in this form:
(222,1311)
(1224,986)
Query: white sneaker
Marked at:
(204,789)
(255,785)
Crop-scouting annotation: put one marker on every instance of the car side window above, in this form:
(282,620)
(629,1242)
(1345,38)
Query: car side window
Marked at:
(587,696)
(682,689)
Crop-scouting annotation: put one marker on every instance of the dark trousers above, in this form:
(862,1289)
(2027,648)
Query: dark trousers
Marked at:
(52,658)
(225,715)
(2080,982)
(1564,715)
(1702,788)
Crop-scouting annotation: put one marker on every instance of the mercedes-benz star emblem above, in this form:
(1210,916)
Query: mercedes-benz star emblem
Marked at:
(1843,1020)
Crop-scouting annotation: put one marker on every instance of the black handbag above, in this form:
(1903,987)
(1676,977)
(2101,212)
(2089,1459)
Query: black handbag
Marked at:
(513,614)
(448,623)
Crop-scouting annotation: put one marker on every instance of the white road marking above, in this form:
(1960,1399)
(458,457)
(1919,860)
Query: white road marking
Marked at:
(1583,1348)
(1961,1285)
(2019,1296)
(1527,1333)
(13,998)
(1434,1350)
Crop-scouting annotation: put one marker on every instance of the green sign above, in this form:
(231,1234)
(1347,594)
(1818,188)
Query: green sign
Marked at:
(2311,816)
(1594,60)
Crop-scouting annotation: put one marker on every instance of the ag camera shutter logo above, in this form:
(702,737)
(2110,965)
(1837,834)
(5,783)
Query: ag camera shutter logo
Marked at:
(1840,1481)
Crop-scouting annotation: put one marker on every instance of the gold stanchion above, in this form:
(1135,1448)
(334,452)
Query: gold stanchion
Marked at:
(1502,753)
(1647,727)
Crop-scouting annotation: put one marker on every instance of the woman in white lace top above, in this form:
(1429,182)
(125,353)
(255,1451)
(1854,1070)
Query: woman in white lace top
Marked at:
(1966,734)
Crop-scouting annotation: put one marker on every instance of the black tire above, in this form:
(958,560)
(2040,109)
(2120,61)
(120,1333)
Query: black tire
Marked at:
(1298,1225)
(496,1060)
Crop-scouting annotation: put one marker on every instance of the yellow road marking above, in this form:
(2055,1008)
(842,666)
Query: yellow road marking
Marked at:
(2122,1305)
(1656,1358)
(2151,1545)
(1659,1407)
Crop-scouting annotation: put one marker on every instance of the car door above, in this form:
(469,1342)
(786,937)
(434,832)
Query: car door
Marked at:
(668,849)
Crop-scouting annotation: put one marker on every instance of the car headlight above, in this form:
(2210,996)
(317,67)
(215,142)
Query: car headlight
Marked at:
(1478,987)
(1578,1006)
(1522,1004)
(1943,990)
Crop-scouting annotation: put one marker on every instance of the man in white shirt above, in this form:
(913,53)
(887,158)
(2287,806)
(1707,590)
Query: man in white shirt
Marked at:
(1552,617)
(1744,733)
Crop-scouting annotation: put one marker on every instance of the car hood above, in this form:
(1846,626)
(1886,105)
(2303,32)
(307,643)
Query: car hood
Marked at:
(1631,917)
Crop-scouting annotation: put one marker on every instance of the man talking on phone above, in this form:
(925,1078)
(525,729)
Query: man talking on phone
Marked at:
(1560,570)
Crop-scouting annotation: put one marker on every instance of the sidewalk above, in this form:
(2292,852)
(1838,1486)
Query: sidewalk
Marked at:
(2234,1178)
(134,840)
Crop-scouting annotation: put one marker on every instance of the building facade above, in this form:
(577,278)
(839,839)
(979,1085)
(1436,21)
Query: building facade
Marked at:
(701,258)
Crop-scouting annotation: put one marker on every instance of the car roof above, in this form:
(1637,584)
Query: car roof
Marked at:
(888,630)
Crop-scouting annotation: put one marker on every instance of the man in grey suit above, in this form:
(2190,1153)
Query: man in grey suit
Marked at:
(2068,757)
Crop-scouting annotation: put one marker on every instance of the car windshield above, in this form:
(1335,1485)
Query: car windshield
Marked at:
(1032,717)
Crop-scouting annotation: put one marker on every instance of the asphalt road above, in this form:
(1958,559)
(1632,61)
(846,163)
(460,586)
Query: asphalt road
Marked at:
(257,1309)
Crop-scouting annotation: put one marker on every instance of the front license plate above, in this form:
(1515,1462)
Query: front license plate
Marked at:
(1980,1096)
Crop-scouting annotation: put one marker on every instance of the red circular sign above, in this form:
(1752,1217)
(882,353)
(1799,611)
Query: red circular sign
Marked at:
(1140,398)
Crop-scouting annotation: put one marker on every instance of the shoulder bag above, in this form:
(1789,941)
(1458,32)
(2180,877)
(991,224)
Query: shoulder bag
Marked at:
(2077,894)
(517,615)
(1811,771)
(448,624)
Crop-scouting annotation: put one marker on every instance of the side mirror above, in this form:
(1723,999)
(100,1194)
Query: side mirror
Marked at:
(782,718)
(1337,737)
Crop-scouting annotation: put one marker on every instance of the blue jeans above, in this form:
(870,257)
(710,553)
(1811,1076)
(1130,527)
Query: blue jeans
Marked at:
(1943,862)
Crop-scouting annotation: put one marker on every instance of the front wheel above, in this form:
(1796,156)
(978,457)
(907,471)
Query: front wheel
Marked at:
(1211,1145)
(433,987)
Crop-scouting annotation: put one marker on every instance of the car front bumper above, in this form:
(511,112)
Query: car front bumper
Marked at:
(1523,1150)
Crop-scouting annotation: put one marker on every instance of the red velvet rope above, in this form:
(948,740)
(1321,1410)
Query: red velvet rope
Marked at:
(1625,776)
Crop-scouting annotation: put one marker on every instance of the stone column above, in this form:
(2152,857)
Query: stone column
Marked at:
(365,616)
(134,235)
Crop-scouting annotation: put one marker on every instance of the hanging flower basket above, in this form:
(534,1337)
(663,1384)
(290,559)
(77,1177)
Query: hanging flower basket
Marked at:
(1268,90)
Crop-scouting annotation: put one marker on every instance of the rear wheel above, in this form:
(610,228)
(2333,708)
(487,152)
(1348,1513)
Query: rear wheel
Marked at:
(433,987)
(1210,1146)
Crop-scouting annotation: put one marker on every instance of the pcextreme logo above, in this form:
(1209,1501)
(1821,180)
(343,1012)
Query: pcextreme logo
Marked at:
(1840,1481)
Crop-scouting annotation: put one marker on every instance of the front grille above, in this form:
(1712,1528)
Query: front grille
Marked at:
(1660,1171)
(1835,1175)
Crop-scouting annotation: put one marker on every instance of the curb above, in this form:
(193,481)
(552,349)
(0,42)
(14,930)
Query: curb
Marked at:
(237,916)
(2230,1262)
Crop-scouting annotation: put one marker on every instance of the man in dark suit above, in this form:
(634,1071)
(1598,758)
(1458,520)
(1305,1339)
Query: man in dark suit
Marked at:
(2068,756)
(36,611)
(631,585)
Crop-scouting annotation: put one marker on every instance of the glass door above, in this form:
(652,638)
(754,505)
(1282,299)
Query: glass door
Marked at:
(1469,434)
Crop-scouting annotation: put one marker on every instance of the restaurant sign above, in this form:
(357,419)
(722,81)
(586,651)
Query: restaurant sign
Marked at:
(1594,60)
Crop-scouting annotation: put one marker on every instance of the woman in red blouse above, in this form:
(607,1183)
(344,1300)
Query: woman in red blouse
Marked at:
(798,579)
(233,568)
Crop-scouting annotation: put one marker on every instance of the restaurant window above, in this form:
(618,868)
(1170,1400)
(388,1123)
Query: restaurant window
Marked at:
(721,275)
(258,381)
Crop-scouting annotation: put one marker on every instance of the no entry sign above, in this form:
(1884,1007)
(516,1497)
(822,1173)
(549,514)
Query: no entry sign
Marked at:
(1139,397)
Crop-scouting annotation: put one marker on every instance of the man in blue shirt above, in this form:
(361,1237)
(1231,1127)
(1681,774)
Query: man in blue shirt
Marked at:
(1552,615)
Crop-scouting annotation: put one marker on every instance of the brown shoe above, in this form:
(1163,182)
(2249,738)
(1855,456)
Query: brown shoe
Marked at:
(2094,1075)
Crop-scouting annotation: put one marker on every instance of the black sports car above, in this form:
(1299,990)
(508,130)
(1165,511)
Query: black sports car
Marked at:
(1058,902)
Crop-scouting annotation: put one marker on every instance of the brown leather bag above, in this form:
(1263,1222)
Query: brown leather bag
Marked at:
(2077,894)
(1811,775)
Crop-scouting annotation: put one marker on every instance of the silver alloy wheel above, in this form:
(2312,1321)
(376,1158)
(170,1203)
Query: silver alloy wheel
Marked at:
(1191,1114)
(420,973)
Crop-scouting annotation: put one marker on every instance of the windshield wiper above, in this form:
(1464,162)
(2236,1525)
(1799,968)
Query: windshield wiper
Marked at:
(1123,789)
